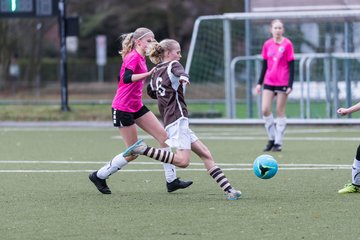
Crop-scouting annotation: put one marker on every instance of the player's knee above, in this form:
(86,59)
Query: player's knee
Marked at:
(161,139)
(131,158)
(184,163)
(265,112)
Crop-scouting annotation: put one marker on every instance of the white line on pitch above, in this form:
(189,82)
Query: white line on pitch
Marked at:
(161,170)
(310,165)
(227,130)
(264,138)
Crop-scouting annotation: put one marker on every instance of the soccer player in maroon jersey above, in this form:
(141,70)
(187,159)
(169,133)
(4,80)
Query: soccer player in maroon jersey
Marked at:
(167,86)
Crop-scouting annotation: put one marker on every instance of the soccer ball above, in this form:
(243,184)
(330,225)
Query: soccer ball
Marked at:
(265,166)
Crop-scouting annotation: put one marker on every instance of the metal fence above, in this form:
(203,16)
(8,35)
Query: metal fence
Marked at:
(319,77)
(223,58)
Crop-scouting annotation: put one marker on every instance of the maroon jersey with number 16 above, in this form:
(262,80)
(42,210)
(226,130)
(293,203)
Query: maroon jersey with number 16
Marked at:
(167,82)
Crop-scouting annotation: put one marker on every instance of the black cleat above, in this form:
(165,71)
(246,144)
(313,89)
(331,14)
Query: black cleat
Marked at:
(276,148)
(99,183)
(269,146)
(177,184)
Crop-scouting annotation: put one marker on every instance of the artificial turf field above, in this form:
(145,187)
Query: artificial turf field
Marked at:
(46,194)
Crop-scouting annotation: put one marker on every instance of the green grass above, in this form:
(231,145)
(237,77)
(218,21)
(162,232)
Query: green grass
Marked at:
(78,112)
(102,112)
(295,204)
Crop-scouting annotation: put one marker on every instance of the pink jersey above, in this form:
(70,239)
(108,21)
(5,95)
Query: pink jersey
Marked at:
(278,56)
(128,96)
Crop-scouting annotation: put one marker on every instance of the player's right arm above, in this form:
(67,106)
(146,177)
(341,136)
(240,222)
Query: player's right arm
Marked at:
(151,91)
(130,77)
(261,78)
(345,111)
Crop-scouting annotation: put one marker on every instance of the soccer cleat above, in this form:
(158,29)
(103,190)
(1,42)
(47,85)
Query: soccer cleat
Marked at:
(276,148)
(137,148)
(233,194)
(99,183)
(269,145)
(349,188)
(177,184)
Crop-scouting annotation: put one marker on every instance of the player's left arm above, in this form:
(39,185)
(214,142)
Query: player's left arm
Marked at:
(179,71)
(291,75)
(291,63)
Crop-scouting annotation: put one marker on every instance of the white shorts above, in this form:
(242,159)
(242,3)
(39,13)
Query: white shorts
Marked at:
(180,135)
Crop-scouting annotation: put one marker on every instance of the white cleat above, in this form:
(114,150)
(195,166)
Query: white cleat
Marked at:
(233,194)
(137,148)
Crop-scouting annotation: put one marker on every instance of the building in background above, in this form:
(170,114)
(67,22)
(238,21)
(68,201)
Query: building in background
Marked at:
(304,5)
(311,31)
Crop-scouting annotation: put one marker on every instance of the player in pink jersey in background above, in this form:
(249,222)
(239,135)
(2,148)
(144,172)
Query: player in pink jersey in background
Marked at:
(277,78)
(128,111)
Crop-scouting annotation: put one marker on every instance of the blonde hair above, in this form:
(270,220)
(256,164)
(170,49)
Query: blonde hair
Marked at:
(275,21)
(128,40)
(158,50)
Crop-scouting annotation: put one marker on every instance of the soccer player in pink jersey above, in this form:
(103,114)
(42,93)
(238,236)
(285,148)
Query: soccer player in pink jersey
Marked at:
(277,78)
(128,111)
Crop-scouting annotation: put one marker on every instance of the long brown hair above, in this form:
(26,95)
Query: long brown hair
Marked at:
(128,40)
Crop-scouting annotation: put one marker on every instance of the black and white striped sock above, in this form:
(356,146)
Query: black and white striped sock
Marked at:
(159,154)
(217,174)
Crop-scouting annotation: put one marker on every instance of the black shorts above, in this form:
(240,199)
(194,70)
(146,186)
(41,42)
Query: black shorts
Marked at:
(125,119)
(276,89)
